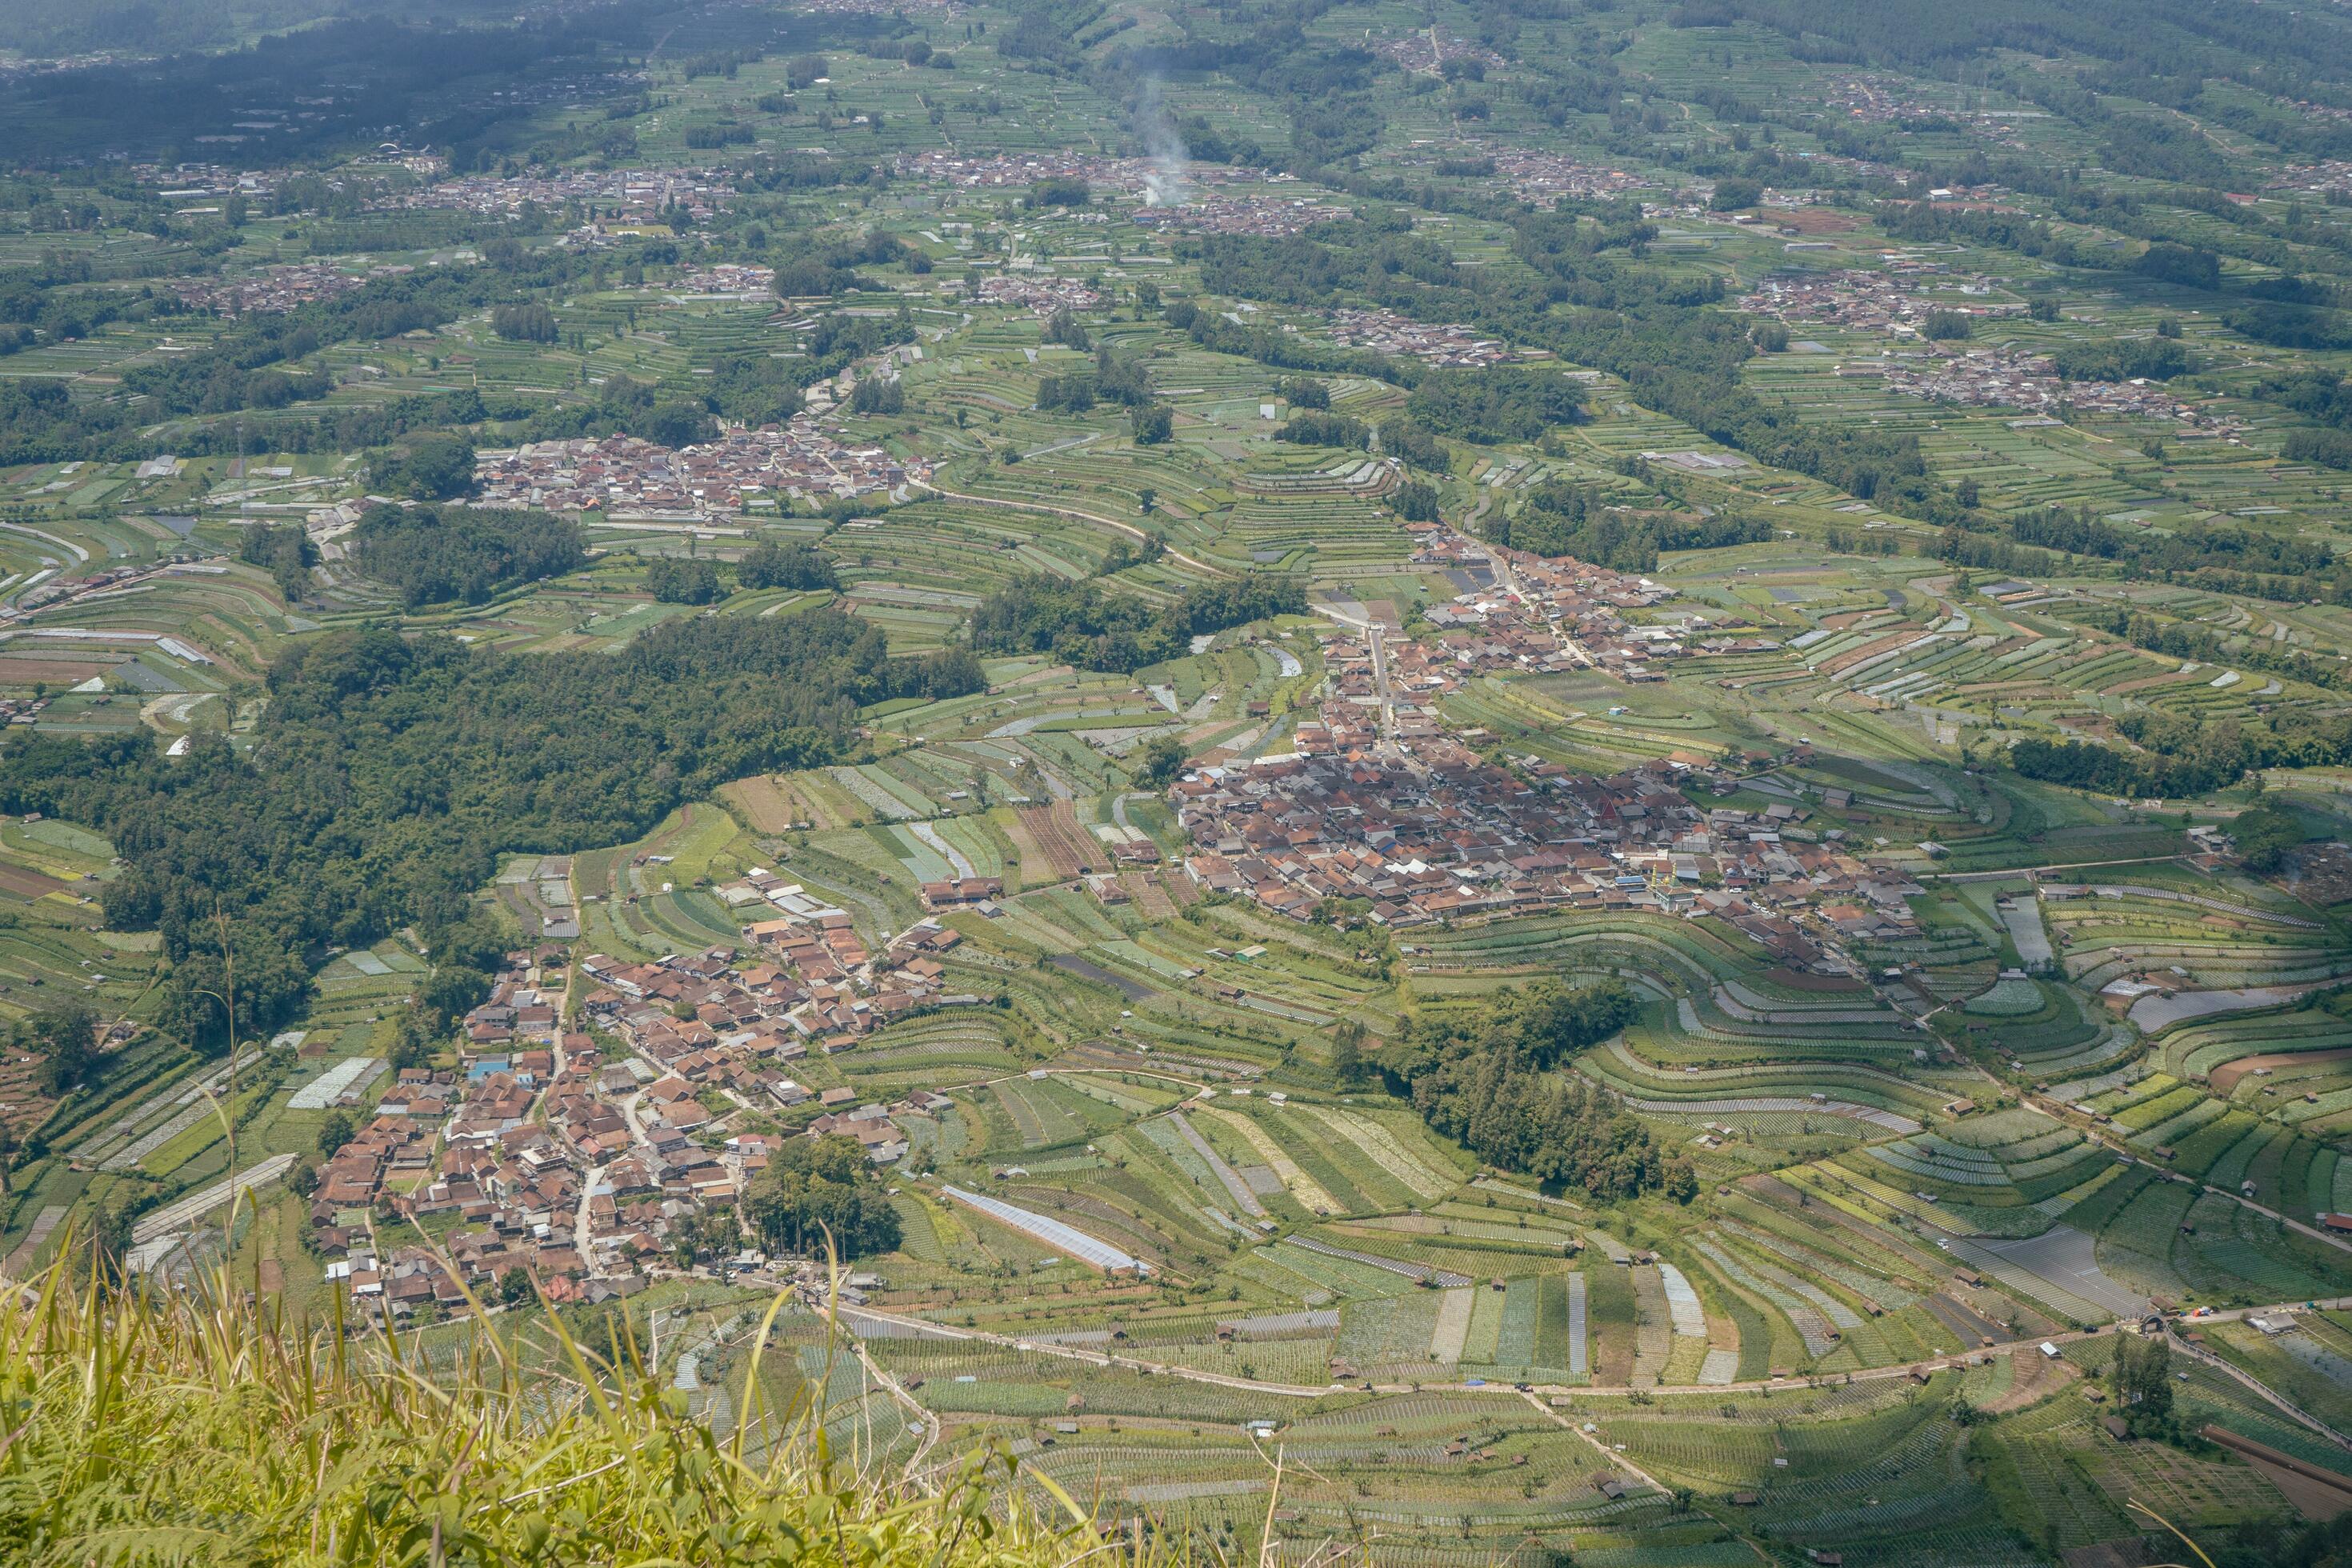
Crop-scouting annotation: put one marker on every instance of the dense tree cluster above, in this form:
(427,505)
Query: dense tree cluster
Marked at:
(2152,359)
(819,1194)
(285,552)
(1500,403)
(1080,624)
(1309,428)
(426,467)
(66,1035)
(673,580)
(882,395)
(2174,757)
(1409,443)
(2223,557)
(1485,1077)
(790,565)
(436,554)
(528,322)
(2263,835)
(387,773)
(1575,520)
(1415,501)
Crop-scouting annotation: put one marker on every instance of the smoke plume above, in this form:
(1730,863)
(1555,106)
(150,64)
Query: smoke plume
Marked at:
(1165,186)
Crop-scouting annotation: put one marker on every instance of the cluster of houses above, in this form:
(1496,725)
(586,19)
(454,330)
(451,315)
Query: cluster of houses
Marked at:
(743,470)
(1429,49)
(2003,378)
(1130,176)
(1273,217)
(274,290)
(1387,332)
(1896,299)
(1043,293)
(587,1173)
(884,8)
(1877,98)
(2328,177)
(1429,831)
(1520,611)
(1544,177)
(727,279)
(810,984)
(614,195)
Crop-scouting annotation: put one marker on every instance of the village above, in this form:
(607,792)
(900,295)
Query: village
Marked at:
(1040,292)
(1380,800)
(1430,50)
(744,470)
(633,195)
(1271,217)
(1423,830)
(596,1156)
(1531,176)
(2003,378)
(274,290)
(1896,299)
(726,281)
(1385,332)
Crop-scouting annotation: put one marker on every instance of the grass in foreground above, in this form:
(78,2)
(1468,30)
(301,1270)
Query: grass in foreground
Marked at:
(197,1428)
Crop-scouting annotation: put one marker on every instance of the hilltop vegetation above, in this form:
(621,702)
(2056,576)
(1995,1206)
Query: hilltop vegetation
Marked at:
(390,773)
(1084,625)
(436,554)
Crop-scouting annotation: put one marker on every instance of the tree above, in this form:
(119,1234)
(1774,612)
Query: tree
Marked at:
(436,555)
(1154,424)
(1682,1181)
(878,394)
(787,565)
(1731,195)
(526,324)
(1158,761)
(334,1132)
(1306,393)
(66,1036)
(1312,429)
(111,1236)
(429,467)
(1485,1077)
(1415,501)
(677,423)
(2263,833)
(2142,1377)
(674,582)
(1347,1053)
(515,1287)
(817,1191)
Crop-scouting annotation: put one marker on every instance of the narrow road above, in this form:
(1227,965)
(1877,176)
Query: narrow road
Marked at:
(930,1329)
(1372,636)
(2057,1113)
(580,1232)
(1614,1459)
